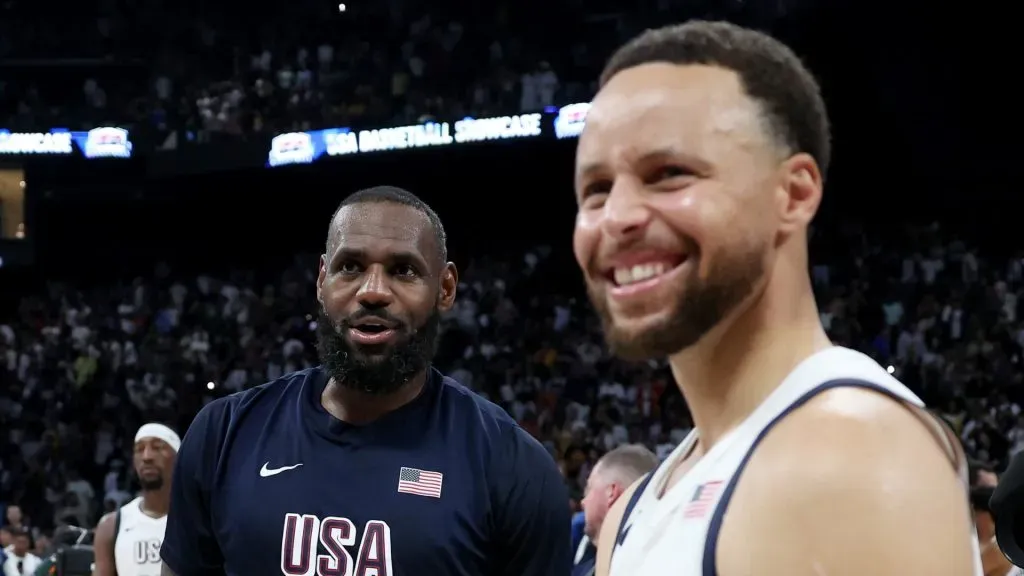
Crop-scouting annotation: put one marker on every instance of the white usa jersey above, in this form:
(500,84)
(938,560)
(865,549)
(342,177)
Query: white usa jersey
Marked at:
(677,534)
(137,541)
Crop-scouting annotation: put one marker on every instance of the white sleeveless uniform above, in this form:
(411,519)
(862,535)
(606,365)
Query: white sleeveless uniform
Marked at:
(678,534)
(139,536)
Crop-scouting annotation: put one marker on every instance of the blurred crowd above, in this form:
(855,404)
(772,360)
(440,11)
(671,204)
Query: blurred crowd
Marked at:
(81,369)
(198,71)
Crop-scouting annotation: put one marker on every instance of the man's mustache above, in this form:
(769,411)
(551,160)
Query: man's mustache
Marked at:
(365,314)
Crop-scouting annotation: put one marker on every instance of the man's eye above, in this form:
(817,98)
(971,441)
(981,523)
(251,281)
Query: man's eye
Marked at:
(405,270)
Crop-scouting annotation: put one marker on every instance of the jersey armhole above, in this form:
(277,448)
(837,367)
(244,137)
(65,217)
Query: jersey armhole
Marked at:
(623,530)
(117,528)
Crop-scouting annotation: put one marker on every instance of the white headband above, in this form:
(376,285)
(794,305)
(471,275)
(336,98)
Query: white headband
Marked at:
(160,432)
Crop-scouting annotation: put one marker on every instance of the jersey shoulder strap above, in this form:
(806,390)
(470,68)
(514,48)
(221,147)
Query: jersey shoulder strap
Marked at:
(623,530)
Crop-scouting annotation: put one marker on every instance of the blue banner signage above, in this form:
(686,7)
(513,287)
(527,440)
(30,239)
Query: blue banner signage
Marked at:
(103,142)
(308,147)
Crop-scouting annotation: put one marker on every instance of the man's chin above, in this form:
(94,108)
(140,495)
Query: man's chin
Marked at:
(649,338)
(372,358)
(374,354)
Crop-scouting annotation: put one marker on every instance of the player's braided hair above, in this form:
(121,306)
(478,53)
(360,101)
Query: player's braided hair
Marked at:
(401,196)
(770,73)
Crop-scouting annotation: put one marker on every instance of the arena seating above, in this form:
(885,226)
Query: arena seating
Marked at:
(200,68)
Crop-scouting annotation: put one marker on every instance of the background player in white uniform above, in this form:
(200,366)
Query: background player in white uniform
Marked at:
(698,173)
(128,541)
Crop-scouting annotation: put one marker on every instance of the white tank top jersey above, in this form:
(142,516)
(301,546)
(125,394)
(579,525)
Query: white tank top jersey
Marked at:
(678,533)
(138,540)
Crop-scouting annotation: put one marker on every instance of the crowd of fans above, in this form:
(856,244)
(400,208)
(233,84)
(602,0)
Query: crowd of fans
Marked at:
(80,370)
(201,72)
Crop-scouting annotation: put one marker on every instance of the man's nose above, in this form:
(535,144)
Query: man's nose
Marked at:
(625,213)
(375,291)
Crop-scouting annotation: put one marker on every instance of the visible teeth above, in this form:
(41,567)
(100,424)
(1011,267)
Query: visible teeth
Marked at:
(639,273)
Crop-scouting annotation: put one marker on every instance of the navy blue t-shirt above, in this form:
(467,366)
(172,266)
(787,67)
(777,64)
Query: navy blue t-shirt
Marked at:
(267,482)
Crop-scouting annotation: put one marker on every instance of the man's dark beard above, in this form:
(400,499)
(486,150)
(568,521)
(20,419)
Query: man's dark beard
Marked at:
(379,376)
(149,485)
(701,306)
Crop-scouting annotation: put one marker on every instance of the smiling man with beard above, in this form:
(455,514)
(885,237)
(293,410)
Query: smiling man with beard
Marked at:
(698,172)
(374,463)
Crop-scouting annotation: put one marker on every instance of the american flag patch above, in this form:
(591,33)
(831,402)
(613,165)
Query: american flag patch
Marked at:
(702,499)
(420,482)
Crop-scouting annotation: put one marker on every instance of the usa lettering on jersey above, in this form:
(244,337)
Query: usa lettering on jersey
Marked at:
(147,551)
(304,534)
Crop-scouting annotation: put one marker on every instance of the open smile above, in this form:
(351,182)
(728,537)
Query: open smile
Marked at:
(635,277)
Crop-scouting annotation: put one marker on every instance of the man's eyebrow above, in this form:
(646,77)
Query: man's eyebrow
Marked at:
(361,254)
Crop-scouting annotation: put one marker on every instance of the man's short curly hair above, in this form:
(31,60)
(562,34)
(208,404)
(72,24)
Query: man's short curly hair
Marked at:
(396,195)
(770,73)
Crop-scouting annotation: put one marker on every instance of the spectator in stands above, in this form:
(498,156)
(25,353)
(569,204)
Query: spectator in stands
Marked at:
(20,560)
(6,543)
(982,475)
(15,518)
(79,498)
(42,546)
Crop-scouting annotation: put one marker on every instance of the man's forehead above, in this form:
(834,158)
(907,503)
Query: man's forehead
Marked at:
(666,102)
(368,223)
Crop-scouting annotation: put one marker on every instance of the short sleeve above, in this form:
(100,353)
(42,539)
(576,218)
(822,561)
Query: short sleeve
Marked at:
(190,546)
(532,510)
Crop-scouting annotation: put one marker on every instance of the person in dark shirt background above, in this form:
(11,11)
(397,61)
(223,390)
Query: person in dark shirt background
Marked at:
(373,463)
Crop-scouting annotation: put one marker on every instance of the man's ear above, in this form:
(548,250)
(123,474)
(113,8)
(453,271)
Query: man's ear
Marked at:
(320,277)
(449,285)
(799,192)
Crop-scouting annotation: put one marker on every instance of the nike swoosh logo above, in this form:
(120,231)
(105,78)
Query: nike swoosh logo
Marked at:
(266,471)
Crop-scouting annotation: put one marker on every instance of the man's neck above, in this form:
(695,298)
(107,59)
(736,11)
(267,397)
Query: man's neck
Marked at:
(156,503)
(357,407)
(727,375)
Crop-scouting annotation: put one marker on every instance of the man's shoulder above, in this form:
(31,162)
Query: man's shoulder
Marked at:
(850,432)
(489,421)
(269,392)
(849,460)
(467,402)
(220,417)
